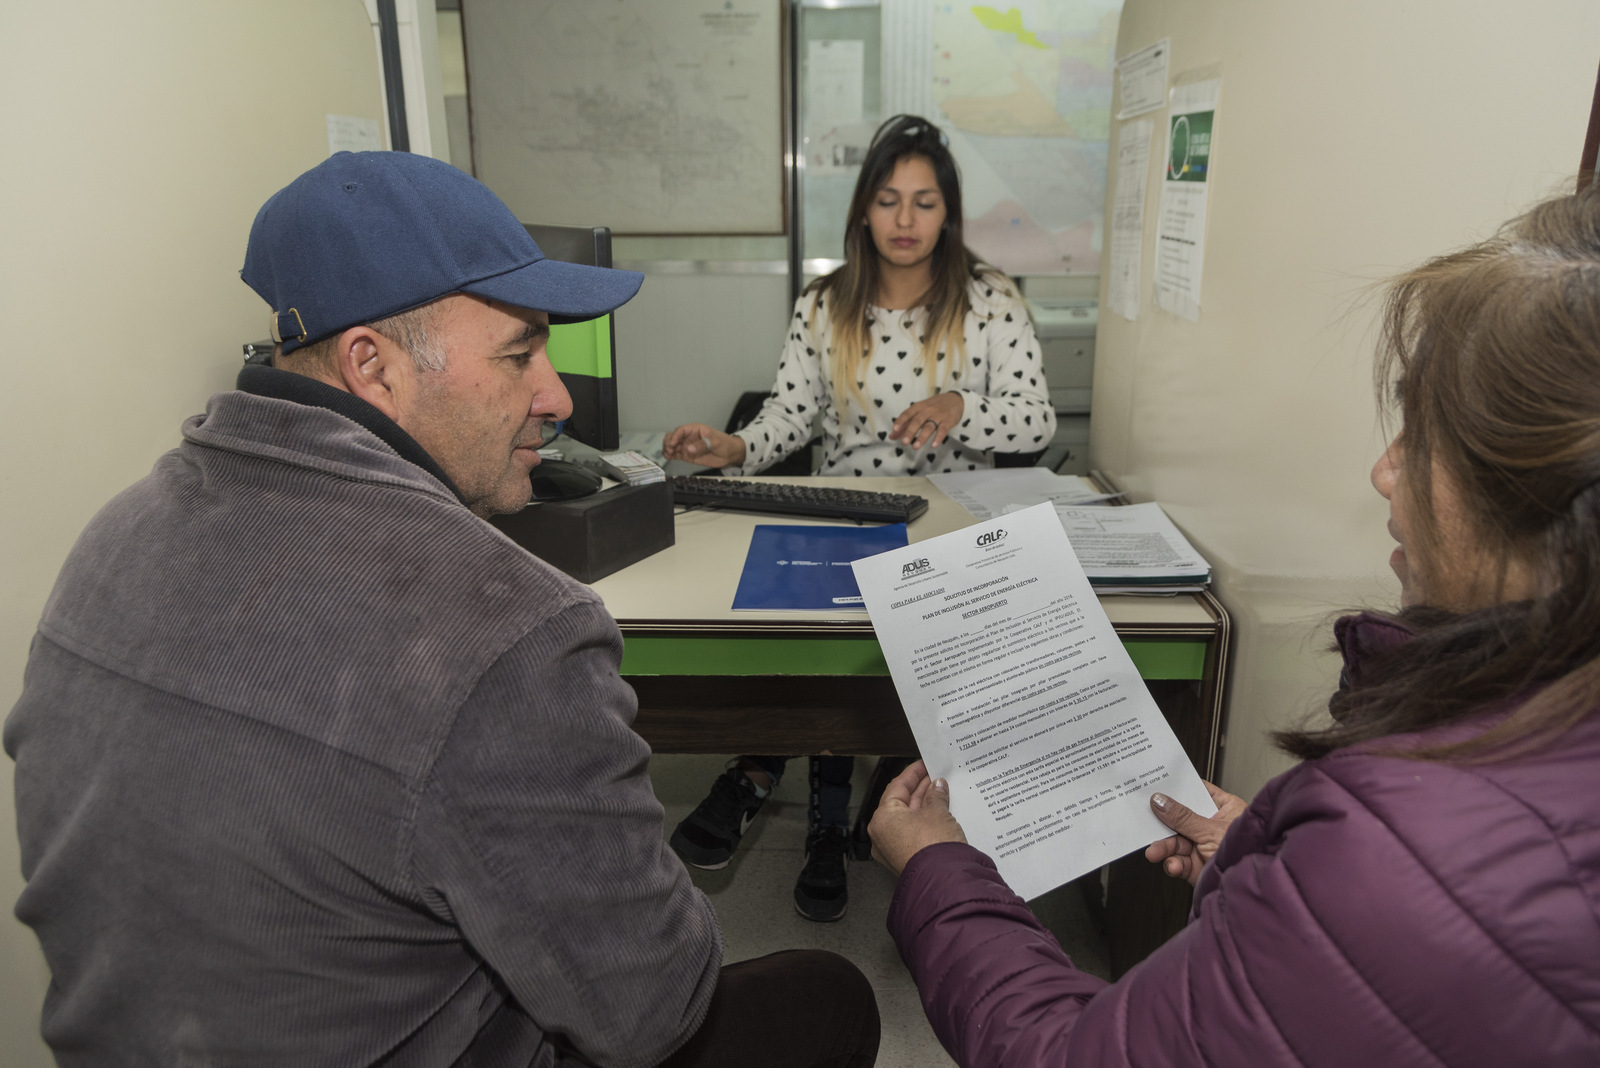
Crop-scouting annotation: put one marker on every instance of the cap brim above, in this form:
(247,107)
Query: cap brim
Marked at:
(569,292)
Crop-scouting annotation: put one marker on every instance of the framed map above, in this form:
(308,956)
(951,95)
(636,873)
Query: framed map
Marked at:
(647,116)
(1024,91)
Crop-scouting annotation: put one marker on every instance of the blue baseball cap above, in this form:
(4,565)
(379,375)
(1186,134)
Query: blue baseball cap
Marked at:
(365,235)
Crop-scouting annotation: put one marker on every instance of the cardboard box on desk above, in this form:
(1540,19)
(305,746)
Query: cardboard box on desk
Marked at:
(593,536)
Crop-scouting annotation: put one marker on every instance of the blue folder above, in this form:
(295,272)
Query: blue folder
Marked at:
(795,566)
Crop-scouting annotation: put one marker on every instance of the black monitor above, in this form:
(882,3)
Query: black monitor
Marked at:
(585,356)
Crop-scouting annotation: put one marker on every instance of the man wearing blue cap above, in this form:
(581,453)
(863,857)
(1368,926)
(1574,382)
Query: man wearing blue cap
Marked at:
(316,767)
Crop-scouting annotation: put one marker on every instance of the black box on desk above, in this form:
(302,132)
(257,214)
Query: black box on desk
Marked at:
(593,536)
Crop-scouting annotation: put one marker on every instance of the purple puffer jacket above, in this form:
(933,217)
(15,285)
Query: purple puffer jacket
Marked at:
(1366,910)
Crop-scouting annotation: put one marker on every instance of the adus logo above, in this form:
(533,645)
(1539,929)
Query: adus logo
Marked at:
(915,567)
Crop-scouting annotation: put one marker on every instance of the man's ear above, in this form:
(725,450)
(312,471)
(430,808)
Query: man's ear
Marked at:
(375,369)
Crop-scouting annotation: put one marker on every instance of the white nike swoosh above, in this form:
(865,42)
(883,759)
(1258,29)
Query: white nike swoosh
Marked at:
(745,821)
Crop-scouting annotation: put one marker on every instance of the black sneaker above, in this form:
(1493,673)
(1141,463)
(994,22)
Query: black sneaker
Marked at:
(820,893)
(708,836)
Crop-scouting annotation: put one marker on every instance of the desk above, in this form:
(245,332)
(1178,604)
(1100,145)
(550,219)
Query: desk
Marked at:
(712,680)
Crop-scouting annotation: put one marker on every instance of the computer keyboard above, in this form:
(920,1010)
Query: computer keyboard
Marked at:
(818,502)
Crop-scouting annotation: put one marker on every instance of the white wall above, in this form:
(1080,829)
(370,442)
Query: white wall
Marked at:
(689,345)
(1351,140)
(137,142)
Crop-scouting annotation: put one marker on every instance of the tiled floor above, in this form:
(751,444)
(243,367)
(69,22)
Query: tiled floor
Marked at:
(753,898)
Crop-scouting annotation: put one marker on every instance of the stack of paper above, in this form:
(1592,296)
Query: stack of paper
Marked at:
(631,468)
(987,494)
(1131,549)
(1134,549)
(649,443)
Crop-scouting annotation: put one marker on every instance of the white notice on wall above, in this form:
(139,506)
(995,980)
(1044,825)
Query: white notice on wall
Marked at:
(1127,216)
(1020,694)
(348,133)
(1142,77)
(834,74)
(906,58)
(1181,225)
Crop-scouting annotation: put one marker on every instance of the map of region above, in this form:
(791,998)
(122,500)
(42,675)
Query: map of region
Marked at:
(1025,93)
(649,116)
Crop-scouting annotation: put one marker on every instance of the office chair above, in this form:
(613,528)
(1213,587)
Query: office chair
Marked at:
(1017,459)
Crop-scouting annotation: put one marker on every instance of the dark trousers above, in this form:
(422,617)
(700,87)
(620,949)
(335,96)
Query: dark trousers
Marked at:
(802,1008)
(830,786)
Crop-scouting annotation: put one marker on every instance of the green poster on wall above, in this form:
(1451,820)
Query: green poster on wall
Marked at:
(1189,139)
(1181,226)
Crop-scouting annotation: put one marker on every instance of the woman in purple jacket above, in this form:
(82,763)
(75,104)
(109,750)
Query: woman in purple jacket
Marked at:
(1425,888)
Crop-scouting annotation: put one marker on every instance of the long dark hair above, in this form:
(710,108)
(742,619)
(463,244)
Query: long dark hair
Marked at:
(854,286)
(1492,356)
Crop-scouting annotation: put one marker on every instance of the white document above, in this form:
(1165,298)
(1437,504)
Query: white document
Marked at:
(1020,695)
(1132,543)
(1142,77)
(1181,225)
(348,133)
(1127,216)
(986,494)
(834,73)
(906,58)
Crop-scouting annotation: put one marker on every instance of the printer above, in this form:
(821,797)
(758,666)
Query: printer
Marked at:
(1066,330)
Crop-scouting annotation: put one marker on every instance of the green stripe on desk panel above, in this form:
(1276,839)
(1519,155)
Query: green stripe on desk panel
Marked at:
(1167,659)
(752,656)
(1155,659)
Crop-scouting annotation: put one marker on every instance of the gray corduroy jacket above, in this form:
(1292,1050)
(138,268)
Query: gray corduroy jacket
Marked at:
(314,767)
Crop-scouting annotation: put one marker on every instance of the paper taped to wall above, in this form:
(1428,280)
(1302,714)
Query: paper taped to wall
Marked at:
(1142,77)
(1127,216)
(351,133)
(1181,225)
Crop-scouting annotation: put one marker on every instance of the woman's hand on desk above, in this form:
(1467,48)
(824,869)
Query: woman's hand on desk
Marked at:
(914,812)
(704,445)
(928,422)
(1184,855)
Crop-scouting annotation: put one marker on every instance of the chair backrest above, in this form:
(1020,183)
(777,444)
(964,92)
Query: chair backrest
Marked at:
(1017,459)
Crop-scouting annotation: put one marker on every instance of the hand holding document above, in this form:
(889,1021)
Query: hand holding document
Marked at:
(1020,695)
